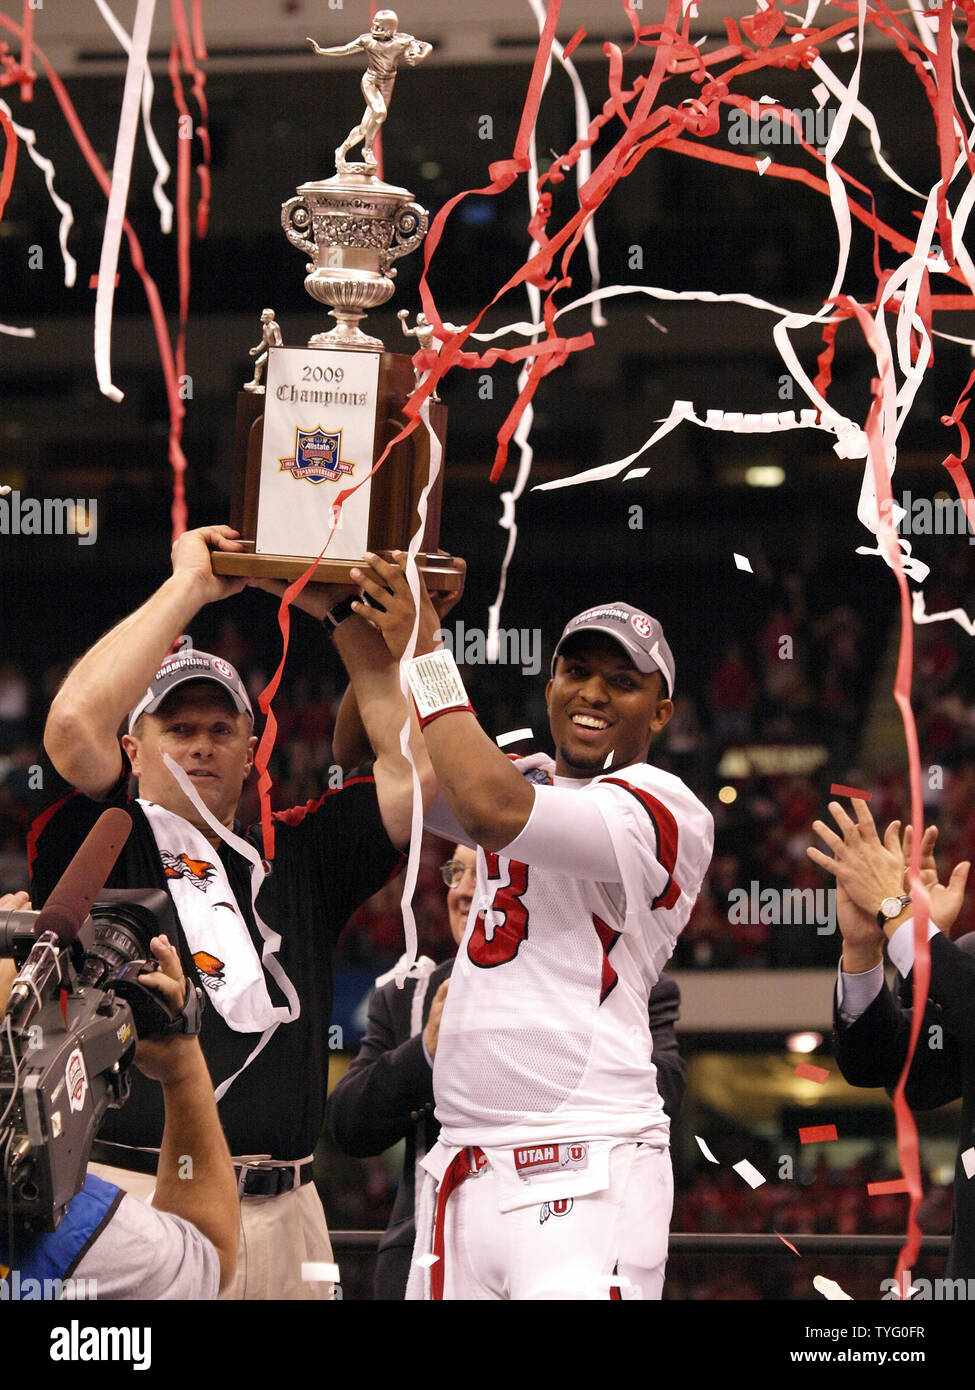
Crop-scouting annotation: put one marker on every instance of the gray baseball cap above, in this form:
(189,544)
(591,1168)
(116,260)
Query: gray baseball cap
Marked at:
(640,636)
(191,665)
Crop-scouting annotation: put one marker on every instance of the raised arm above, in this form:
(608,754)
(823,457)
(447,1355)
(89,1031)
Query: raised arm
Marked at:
(196,1177)
(383,709)
(489,797)
(82,727)
(350,746)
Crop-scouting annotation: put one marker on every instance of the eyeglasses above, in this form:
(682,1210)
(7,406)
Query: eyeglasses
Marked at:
(453,871)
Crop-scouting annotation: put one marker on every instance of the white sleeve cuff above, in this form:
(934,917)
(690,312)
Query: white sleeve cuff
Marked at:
(855,993)
(900,948)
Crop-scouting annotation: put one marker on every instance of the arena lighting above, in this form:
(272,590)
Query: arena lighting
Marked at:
(727,795)
(804,1042)
(765,475)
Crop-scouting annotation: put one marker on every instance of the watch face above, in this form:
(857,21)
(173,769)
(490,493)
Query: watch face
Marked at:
(890,907)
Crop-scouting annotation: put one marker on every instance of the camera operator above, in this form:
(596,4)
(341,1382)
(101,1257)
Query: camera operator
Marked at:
(184,1246)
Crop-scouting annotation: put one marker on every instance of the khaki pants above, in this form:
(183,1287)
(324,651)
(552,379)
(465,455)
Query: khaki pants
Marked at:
(277,1235)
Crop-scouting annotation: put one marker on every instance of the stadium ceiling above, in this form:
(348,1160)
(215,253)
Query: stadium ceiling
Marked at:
(242,34)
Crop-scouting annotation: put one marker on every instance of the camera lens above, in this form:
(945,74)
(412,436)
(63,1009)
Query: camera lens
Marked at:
(122,934)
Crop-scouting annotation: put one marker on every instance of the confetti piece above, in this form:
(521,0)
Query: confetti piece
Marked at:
(426,1261)
(3,490)
(788,1243)
(609,758)
(705,1150)
(317,1272)
(811,1073)
(838,789)
(887,1189)
(573,43)
(820,93)
(845,43)
(968,1162)
(762,164)
(768,101)
(743,563)
(829,1288)
(17,332)
(817,1134)
(503,740)
(749,1172)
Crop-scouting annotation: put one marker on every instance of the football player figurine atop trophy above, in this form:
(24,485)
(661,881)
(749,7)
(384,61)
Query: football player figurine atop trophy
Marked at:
(385,48)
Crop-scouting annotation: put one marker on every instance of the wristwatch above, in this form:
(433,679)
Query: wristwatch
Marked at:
(892,907)
(342,610)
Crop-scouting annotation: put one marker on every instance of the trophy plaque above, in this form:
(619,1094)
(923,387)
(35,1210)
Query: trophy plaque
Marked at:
(314,428)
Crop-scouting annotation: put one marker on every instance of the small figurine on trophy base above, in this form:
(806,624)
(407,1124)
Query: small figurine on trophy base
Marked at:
(385,48)
(270,337)
(423,332)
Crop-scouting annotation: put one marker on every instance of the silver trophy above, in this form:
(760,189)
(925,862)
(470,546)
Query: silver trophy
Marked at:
(354,226)
(312,421)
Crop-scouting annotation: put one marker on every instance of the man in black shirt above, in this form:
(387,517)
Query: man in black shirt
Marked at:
(267,972)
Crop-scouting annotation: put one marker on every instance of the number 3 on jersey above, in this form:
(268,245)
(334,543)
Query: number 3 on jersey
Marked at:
(510,917)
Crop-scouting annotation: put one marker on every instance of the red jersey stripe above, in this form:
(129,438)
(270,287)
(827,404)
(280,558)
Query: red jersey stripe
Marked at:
(665,826)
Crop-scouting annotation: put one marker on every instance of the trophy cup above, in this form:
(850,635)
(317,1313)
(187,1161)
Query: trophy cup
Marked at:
(326,412)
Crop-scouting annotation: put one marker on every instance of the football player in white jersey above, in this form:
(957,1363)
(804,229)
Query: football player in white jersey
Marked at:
(552,1176)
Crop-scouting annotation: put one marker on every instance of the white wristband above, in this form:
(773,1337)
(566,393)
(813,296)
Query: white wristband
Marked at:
(436,685)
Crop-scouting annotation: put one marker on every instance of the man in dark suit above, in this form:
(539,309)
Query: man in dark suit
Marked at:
(387,1093)
(872,1027)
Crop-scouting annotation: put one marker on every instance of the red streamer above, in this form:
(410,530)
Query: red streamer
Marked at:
(907,1140)
(9,159)
(27,43)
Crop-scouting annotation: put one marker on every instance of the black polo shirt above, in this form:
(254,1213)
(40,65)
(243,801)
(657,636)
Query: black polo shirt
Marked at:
(329,857)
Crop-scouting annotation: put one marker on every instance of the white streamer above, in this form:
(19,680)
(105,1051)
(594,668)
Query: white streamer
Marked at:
(406,961)
(67,216)
(523,428)
(118,196)
(957,615)
(148,92)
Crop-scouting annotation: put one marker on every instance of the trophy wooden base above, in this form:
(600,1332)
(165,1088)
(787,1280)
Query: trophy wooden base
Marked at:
(441,573)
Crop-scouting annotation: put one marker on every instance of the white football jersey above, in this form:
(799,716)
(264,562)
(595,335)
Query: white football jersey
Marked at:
(545,1032)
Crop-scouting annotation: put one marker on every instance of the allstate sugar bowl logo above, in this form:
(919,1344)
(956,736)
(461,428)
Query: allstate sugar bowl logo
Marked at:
(317,456)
